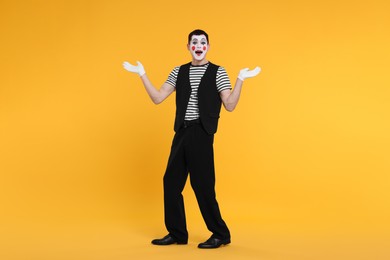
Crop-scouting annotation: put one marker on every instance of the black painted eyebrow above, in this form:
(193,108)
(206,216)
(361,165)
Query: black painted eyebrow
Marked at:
(202,40)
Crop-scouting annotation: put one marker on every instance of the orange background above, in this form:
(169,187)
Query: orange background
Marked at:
(302,163)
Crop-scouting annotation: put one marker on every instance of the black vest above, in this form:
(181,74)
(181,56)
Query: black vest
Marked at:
(209,101)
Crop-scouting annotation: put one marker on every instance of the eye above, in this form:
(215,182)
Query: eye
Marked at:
(204,43)
(194,43)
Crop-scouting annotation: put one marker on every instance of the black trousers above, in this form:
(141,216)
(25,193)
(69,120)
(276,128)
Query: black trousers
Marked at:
(192,152)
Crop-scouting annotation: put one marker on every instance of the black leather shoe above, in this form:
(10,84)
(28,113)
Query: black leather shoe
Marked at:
(167,240)
(214,243)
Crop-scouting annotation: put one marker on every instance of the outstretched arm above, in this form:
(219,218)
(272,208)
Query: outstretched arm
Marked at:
(230,98)
(156,95)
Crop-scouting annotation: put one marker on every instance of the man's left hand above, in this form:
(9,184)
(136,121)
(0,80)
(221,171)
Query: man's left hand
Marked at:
(246,73)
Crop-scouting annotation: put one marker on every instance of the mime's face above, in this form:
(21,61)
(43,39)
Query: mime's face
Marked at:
(198,47)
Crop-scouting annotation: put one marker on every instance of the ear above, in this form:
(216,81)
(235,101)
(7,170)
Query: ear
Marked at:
(188,46)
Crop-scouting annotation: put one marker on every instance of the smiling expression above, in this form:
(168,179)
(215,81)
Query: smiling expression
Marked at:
(198,47)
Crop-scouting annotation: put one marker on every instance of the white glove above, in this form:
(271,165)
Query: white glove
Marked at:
(246,73)
(139,69)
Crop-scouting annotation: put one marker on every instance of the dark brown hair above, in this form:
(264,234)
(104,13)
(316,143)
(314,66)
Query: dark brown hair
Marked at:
(198,32)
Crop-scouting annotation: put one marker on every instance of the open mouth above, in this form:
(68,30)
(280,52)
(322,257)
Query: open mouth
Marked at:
(198,53)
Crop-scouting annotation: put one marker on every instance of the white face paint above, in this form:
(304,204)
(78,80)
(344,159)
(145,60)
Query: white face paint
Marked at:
(198,47)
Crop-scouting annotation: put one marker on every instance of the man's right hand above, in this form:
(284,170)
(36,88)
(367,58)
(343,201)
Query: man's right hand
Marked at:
(139,69)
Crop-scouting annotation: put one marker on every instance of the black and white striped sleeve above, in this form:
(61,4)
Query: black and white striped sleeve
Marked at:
(223,81)
(172,78)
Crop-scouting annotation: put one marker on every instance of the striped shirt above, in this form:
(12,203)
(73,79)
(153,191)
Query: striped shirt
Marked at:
(196,74)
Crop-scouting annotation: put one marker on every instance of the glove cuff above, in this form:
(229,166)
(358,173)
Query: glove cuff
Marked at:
(141,73)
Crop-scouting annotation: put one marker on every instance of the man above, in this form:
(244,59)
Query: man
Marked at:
(201,87)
